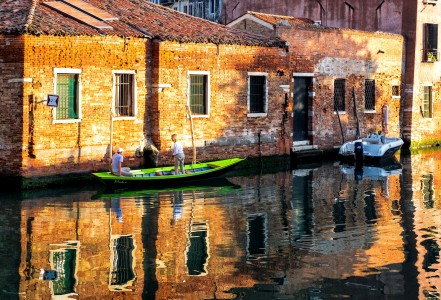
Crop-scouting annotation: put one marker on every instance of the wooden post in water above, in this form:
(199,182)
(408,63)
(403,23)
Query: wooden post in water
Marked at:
(355,113)
(193,160)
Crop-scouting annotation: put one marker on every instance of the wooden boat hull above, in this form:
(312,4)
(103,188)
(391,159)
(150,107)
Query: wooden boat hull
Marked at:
(164,176)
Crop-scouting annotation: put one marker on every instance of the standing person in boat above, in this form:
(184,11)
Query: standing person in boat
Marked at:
(117,168)
(178,154)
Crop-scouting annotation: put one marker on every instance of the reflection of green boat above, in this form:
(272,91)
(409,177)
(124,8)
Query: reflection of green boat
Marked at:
(219,183)
(164,176)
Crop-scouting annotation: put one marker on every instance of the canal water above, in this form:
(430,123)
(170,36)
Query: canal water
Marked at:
(318,231)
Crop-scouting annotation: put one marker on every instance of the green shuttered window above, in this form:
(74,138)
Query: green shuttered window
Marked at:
(427,102)
(67,90)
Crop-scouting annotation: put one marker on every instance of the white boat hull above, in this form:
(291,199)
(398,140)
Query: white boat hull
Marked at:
(375,146)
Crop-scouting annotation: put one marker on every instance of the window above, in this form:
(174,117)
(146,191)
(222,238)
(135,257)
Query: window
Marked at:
(339,94)
(64,262)
(395,91)
(185,10)
(68,89)
(369,94)
(200,10)
(427,102)
(124,93)
(430,44)
(349,11)
(257,237)
(199,93)
(122,272)
(196,258)
(212,6)
(427,190)
(257,93)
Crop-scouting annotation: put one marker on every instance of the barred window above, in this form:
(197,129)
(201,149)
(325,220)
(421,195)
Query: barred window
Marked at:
(369,94)
(427,102)
(124,94)
(339,94)
(199,94)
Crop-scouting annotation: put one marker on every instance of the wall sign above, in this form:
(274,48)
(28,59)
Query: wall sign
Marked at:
(52,100)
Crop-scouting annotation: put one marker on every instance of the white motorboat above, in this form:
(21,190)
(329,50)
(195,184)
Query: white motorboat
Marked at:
(373,147)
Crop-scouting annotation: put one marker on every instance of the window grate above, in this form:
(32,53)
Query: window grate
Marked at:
(198,94)
(124,94)
(395,90)
(369,94)
(339,94)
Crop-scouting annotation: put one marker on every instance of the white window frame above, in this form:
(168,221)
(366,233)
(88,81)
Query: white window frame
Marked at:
(79,89)
(135,94)
(265,105)
(207,100)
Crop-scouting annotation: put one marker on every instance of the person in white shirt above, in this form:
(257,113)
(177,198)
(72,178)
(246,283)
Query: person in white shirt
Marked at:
(117,160)
(178,154)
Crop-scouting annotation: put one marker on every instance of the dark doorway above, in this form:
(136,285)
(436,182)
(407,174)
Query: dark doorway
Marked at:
(300,123)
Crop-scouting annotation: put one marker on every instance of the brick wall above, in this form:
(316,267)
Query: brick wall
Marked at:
(45,147)
(12,121)
(332,54)
(56,148)
(226,131)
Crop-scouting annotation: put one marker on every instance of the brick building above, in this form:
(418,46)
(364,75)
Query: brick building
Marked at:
(416,20)
(125,74)
(358,72)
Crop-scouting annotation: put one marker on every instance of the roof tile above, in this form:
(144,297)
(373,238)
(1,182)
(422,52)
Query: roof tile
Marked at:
(137,18)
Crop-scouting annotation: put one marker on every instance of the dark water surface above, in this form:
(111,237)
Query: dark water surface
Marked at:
(323,231)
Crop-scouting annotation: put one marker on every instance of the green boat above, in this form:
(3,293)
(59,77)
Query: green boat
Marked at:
(165,176)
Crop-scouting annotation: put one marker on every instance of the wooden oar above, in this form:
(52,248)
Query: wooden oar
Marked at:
(193,160)
(111,134)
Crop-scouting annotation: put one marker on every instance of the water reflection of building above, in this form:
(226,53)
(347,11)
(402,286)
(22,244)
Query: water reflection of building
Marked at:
(82,240)
(423,200)
(281,232)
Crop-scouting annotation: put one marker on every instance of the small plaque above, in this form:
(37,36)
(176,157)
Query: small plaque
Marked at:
(52,100)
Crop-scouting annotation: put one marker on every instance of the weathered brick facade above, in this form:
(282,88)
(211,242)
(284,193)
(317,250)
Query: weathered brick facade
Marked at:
(421,78)
(37,143)
(42,146)
(327,54)
(49,147)
(227,130)
(354,56)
